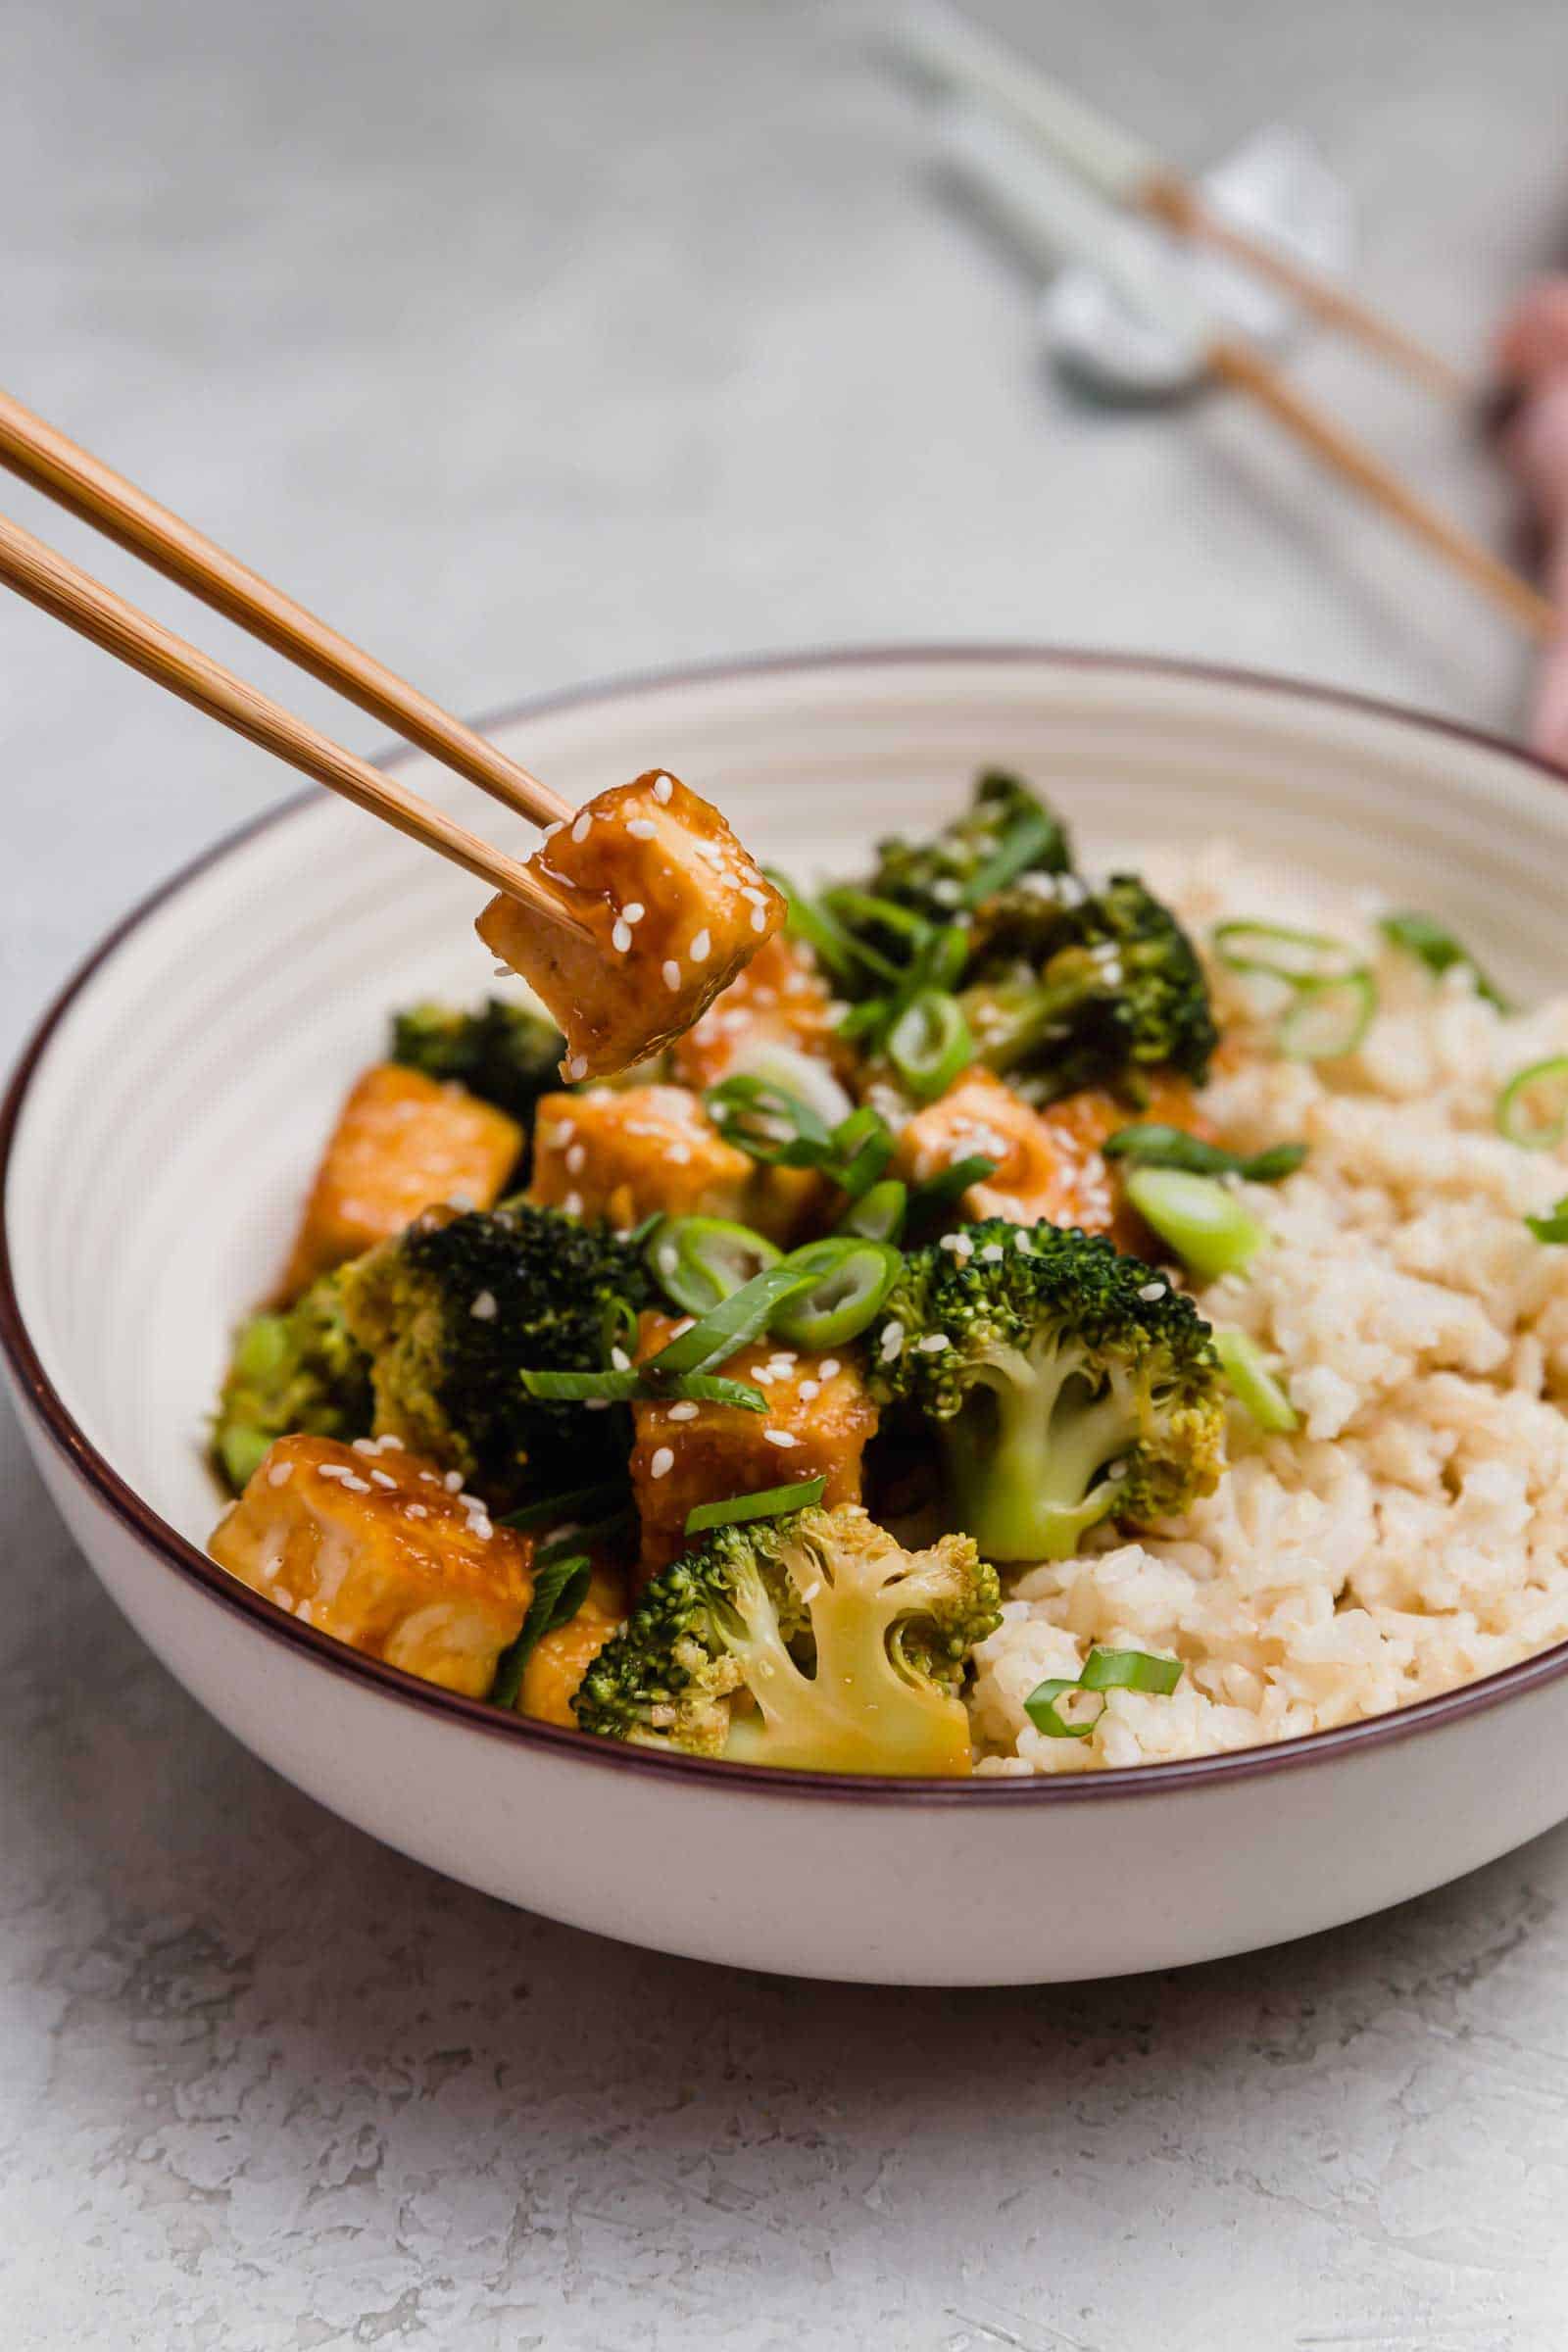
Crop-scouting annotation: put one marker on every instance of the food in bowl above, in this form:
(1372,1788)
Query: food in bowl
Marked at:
(1031,1322)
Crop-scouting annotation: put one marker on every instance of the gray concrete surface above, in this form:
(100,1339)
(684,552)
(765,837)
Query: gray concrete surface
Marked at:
(532,343)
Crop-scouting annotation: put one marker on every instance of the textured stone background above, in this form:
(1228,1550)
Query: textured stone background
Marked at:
(537,342)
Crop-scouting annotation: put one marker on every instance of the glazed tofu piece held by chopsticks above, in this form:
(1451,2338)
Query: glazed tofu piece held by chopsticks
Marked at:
(671,907)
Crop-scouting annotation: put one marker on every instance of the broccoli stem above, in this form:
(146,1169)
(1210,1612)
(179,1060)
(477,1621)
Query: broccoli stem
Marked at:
(1024,1464)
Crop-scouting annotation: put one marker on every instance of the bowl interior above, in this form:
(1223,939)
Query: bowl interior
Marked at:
(173,1121)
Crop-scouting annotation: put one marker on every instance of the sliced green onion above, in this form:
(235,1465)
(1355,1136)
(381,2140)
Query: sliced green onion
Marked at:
(1040,1708)
(769,1503)
(578,1387)
(1282,953)
(929,1044)
(638,1234)
(878,1215)
(1104,1670)
(577,1503)
(736,1321)
(1203,1222)
(1532,1108)
(700,1260)
(1422,936)
(1328,1018)
(938,1192)
(767,1122)
(838,951)
(558,1592)
(942,958)
(1155,1146)
(617,1326)
(1552,1225)
(1130,1670)
(862,907)
(858,1021)
(706,1388)
(862,1146)
(1253,1385)
(1025,843)
(846,1279)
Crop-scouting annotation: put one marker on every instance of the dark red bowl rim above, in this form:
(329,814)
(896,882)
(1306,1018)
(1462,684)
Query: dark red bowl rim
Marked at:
(1116,1785)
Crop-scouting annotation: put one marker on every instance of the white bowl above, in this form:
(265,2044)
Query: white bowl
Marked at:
(161,1126)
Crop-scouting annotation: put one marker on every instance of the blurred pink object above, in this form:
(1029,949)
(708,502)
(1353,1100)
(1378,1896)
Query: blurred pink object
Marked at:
(1532,358)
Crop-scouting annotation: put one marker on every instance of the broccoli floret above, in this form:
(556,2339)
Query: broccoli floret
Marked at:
(296,1371)
(813,1640)
(503,1054)
(1070,1385)
(1007,831)
(452,1310)
(1071,987)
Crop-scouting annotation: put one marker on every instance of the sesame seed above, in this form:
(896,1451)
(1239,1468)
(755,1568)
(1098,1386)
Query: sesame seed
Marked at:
(453,1482)
(663,789)
(1021,1243)
(577,1066)
(992,1255)
(892,1341)
(710,850)
(573,1205)
(415,1510)
(663,1463)
(550,831)
(828,1367)
(779,1436)
(619,1360)
(640,830)
(677,1154)
(480,1525)
(808,1390)
(339,1470)
(381,1478)
(576,1156)
(620,938)
(759,897)
(582,828)
(483,1308)
(671,974)
(365,1445)
(1153,1291)
(356,1486)
(1116,1470)
(633,912)
(501,971)
(759,918)
(684,1411)
(280,1474)
(934,1343)
(702,948)
(597,1404)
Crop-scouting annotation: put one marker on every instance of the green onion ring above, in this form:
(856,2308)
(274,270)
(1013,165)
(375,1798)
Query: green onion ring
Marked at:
(1281,953)
(700,1260)
(733,1324)
(878,1214)
(1201,1219)
(1328,1018)
(929,1043)
(847,1278)
(1538,1128)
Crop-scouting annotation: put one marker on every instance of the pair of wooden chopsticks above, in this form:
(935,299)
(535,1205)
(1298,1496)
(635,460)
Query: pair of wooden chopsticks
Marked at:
(74,479)
(1060,186)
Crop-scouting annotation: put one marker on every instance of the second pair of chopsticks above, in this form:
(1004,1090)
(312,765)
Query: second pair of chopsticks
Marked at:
(44,457)
(1127,173)
(1055,213)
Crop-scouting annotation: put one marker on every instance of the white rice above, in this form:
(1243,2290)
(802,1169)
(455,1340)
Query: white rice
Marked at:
(1414,1534)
